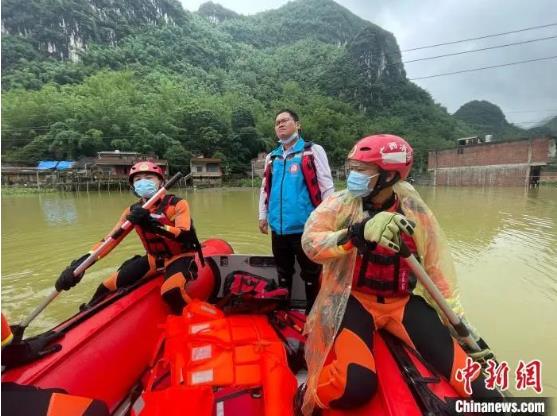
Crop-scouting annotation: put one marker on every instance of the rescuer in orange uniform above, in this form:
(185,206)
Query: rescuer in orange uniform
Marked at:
(169,238)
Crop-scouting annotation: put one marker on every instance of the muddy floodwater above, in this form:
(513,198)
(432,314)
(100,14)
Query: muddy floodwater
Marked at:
(504,242)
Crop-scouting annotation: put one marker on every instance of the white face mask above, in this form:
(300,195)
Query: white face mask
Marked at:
(290,139)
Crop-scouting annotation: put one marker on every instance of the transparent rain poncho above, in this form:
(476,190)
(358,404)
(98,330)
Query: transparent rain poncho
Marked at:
(322,231)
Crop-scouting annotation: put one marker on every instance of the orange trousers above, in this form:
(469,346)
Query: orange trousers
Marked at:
(348,378)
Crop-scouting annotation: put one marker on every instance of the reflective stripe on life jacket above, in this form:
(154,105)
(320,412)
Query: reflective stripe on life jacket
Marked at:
(309,173)
(203,351)
(162,246)
(382,272)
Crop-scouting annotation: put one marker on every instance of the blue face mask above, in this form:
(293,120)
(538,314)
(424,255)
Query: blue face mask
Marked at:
(145,188)
(358,183)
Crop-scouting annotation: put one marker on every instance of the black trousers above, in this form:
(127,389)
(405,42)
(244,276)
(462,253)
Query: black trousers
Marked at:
(286,249)
(176,275)
(23,400)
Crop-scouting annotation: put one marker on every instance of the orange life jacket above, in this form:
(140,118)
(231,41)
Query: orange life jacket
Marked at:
(7,335)
(160,245)
(309,173)
(205,352)
(382,272)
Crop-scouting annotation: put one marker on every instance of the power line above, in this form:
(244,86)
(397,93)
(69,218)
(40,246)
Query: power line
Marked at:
(478,50)
(480,37)
(529,122)
(482,68)
(531,111)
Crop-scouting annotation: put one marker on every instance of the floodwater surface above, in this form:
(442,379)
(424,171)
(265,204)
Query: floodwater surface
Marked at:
(503,240)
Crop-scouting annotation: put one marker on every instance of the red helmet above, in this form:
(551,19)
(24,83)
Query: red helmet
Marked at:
(145,167)
(390,153)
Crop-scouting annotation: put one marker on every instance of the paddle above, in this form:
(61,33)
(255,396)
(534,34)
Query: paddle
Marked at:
(457,323)
(18,330)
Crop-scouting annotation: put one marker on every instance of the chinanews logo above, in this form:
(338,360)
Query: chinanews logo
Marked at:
(505,406)
(528,375)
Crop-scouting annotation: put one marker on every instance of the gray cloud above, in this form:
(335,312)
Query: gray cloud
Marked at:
(518,90)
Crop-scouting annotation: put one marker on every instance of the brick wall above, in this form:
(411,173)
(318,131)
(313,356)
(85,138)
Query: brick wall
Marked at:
(495,175)
(491,164)
(485,154)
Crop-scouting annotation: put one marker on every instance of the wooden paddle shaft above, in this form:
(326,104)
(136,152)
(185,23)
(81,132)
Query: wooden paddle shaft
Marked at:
(459,326)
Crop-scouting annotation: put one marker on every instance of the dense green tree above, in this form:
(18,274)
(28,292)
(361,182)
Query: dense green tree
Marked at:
(178,158)
(215,13)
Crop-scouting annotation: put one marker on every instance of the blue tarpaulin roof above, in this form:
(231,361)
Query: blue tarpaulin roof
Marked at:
(55,164)
(65,164)
(47,164)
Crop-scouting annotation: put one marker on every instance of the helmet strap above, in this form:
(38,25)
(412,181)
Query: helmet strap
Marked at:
(133,191)
(367,205)
(382,183)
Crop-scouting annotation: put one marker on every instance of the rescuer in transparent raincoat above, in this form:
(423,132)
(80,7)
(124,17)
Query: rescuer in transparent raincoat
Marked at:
(364,289)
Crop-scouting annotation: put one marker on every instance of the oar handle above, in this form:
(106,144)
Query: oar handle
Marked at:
(95,254)
(172,181)
(457,323)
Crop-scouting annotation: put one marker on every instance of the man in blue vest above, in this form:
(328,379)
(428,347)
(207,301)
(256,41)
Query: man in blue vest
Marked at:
(297,178)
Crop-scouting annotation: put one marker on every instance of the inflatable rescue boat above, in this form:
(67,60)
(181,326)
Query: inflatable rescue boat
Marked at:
(240,353)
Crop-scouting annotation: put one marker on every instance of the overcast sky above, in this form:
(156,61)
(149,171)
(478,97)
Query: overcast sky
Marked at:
(525,93)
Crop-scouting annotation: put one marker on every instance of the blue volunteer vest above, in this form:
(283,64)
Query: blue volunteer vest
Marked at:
(289,203)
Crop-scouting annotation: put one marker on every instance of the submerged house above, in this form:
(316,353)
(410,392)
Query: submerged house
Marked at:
(116,164)
(206,171)
(479,161)
(46,172)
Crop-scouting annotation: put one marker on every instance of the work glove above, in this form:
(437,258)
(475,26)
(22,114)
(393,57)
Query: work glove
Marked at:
(30,349)
(67,280)
(384,229)
(140,216)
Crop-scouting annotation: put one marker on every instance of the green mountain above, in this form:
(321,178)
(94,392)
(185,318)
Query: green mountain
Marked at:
(320,20)
(59,28)
(548,128)
(552,125)
(149,76)
(487,118)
